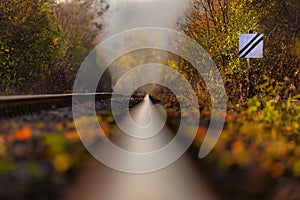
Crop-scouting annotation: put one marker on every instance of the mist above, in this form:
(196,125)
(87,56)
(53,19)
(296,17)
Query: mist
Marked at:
(127,14)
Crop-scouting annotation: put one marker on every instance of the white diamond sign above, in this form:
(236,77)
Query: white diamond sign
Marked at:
(251,46)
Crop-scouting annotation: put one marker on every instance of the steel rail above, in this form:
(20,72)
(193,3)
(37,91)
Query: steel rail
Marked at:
(11,106)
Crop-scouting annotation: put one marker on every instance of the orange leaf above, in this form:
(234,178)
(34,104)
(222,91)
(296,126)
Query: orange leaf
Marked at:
(168,104)
(72,135)
(23,133)
(273,134)
(10,138)
(201,131)
(229,118)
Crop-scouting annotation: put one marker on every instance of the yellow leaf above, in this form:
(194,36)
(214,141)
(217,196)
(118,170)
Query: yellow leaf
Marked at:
(62,162)
(2,147)
(296,168)
(59,127)
(239,153)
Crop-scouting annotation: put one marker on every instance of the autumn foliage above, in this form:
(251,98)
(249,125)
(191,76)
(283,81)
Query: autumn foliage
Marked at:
(42,44)
(216,25)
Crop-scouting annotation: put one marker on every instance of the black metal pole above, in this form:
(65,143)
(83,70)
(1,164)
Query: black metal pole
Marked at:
(250,79)
(250,75)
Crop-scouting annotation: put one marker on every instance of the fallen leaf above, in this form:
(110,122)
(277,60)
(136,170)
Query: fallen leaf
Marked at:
(62,162)
(23,133)
(72,135)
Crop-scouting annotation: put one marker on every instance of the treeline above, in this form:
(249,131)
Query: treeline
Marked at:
(42,43)
(216,25)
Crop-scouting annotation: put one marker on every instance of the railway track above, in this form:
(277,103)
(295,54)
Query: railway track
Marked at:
(11,106)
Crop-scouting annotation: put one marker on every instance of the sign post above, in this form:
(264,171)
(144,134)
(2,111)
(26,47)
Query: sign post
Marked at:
(251,46)
(251,87)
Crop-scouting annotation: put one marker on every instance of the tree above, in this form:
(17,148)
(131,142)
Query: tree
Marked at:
(42,44)
(280,22)
(216,25)
(27,44)
(75,23)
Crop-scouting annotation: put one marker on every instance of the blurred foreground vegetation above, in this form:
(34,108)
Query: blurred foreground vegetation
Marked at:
(43,43)
(257,155)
